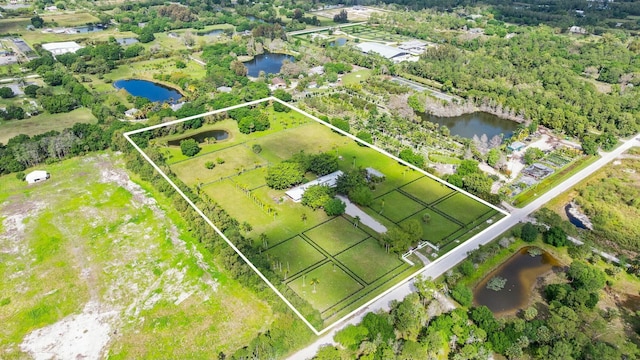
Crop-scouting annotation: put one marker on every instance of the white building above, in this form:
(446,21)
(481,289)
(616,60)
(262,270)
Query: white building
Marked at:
(37,176)
(59,48)
(394,54)
(329,180)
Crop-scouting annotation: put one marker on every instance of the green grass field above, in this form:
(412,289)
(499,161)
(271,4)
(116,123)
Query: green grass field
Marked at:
(81,237)
(396,206)
(427,190)
(336,235)
(463,208)
(333,286)
(437,228)
(369,261)
(280,253)
(348,261)
(44,122)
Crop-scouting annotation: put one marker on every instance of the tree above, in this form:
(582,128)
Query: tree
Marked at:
(256,148)
(284,175)
(529,232)
(532,154)
(411,157)
(189,147)
(6,92)
(462,294)
(555,236)
(31,90)
(316,196)
(314,282)
(493,157)
(530,313)
(341,17)
(585,276)
(335,207)
(37,22)
(365,136)
(323,164)
(361,195)
(351,336)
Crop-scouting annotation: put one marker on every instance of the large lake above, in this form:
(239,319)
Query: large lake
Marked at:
(148,89)
(270,63)
(478,123)
(521,271)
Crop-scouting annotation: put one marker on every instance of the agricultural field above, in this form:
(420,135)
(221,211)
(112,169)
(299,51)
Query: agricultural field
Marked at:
(44,122)
(335,264)
(90,258)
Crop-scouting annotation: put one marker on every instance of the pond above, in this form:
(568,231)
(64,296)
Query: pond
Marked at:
(577,218)
(148,89)
(338,42)
(88,29)
(477,123)
(521,272)
(270,63)
(127,41)
(215,32)
(201,137)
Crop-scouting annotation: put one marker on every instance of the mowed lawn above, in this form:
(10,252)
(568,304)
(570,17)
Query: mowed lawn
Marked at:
(333,285)
(237,159)
(336,235)
(427,190)
(42,123)
(396,206)
(463,208)
(312,138)
(369,260)
(437,228)
(293,255)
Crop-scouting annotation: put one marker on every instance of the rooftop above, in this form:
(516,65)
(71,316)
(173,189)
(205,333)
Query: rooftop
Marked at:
(388,52)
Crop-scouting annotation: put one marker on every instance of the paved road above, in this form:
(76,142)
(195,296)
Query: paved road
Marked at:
(8,80)
(446,262)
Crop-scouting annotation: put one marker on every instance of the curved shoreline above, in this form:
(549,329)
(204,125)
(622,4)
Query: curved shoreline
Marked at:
(157,82)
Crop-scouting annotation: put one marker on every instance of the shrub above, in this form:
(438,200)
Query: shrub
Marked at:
(335,207)
(189,147)
(256,148)
(209,165)
(220,161)
(462,294)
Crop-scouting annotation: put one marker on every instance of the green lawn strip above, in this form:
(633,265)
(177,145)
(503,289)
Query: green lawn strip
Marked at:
(437,228)
(334,285)
(369,292)
(427,189)
(336,235)
(293,256)
(548,183)
(444,159)
(462,207)
(236,203)
(43,123)
(312,138)
(395,206)
(356,77)
(251,179)
(236,159)
(368,260)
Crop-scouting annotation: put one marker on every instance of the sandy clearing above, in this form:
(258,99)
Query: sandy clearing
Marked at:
(80,336)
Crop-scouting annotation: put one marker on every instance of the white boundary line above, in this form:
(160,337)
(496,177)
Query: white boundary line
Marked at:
(128,134)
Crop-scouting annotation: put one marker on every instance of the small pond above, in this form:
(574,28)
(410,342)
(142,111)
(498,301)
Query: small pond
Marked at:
(477,123)
(88,29)
(127,41)
(201,137)
(148,89)
(270,63)
(338,42)
(215,32)
(253,18)
(521,272)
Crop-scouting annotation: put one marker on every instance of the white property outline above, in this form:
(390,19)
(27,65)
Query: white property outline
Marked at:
(350,136)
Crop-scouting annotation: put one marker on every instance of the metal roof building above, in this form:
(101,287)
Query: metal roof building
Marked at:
(328,180)
(59,48)
(388,52)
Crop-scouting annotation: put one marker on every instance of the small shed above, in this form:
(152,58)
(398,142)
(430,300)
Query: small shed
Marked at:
(37,176)
(516,146)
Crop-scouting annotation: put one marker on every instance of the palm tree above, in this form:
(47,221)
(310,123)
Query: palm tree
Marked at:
(314,282)
(303,217)
(263,238)
(356,221)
